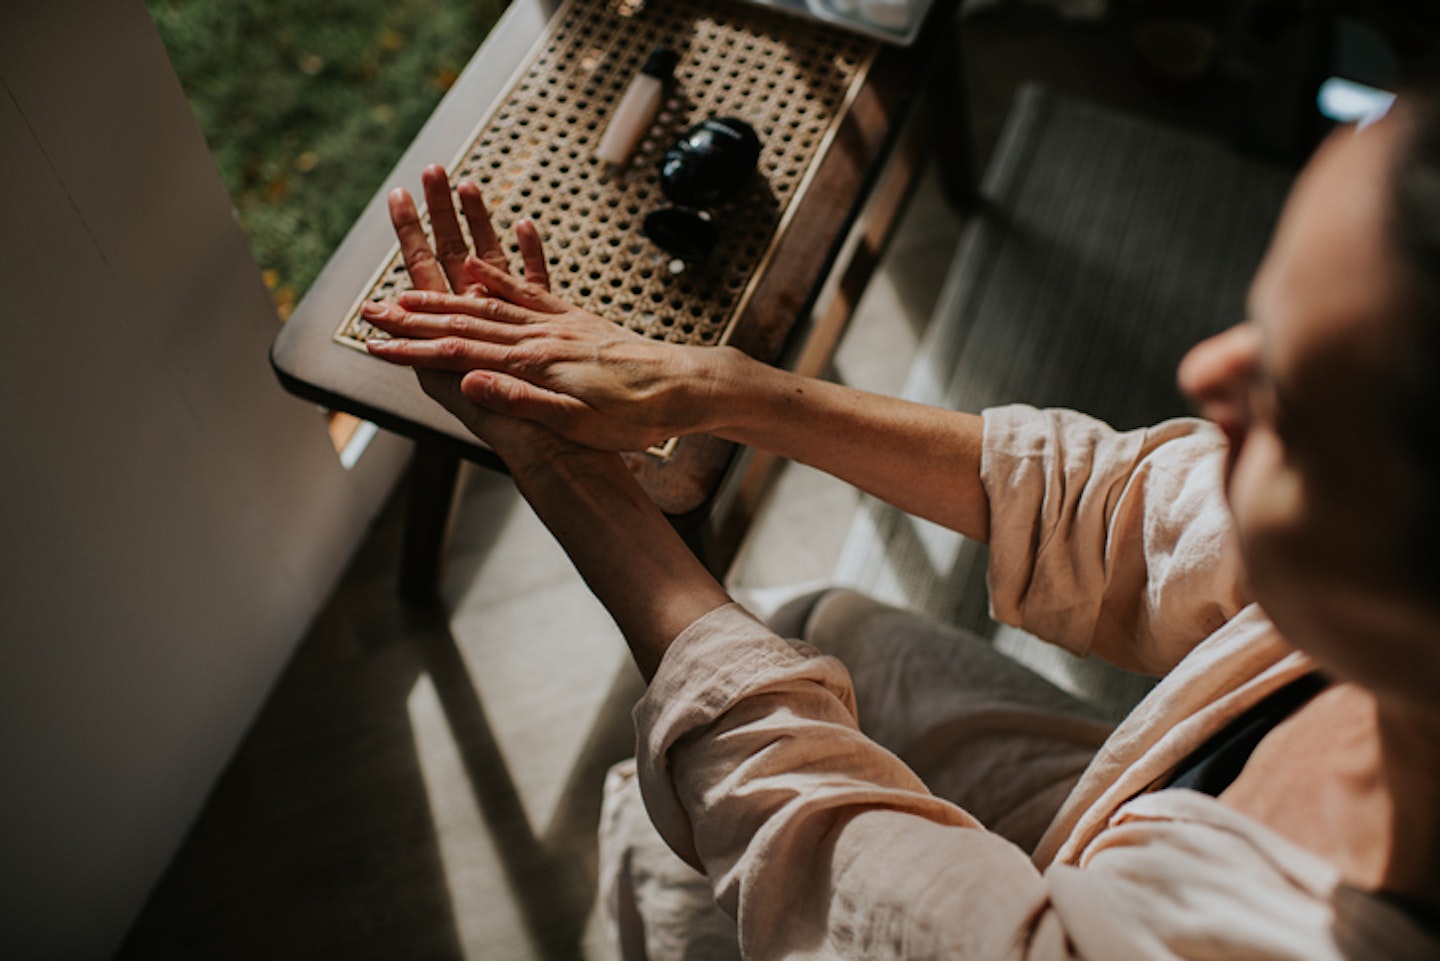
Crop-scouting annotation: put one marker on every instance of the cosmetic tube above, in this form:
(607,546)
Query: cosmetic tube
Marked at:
(637,108)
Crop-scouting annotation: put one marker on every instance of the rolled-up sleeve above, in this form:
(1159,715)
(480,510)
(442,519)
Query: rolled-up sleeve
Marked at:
(818,840)
(821,844)
(1111,543)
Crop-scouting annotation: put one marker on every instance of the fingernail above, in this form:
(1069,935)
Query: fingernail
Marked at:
(372,308)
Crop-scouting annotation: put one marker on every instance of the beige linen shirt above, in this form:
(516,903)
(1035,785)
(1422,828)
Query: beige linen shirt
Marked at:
(824,845)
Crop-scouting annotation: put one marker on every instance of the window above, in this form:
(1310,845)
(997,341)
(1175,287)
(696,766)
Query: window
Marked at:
(307,105)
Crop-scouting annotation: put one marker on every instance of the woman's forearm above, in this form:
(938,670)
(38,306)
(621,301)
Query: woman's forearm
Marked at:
(924,460)
(582,377)
(627,552)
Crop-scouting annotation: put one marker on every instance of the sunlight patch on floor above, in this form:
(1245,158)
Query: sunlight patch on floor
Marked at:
(484,909)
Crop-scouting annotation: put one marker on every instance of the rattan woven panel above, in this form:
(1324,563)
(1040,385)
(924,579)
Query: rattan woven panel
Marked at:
(533,155)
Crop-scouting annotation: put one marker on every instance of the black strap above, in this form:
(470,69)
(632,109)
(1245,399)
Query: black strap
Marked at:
(1212,767)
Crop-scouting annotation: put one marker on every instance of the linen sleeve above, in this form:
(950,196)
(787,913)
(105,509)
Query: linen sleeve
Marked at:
(817,840)
(1117,544)
(821,844)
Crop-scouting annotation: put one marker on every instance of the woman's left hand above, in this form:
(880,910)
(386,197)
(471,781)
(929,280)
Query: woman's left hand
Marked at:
(622,545)
(436,271)
(443,266)
(525,353)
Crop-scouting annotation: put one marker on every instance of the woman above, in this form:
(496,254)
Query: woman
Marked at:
(1277,795)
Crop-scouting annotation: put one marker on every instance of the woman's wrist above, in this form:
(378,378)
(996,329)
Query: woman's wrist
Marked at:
(553,465)
(715,382)
(627,552)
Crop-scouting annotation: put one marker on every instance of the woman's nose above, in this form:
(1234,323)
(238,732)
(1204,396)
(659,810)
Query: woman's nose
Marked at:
(1216,375)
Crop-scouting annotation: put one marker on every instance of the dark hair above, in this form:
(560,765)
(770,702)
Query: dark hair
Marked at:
(1415,218)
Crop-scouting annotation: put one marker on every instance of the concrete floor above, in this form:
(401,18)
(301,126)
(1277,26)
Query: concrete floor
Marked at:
(427,785)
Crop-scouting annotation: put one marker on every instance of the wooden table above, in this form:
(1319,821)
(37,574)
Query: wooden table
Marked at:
(795,304)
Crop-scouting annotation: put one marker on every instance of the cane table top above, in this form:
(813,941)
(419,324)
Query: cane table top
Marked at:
(533,155)
(826,104)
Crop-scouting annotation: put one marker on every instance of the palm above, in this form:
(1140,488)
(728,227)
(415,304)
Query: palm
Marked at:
(442,268)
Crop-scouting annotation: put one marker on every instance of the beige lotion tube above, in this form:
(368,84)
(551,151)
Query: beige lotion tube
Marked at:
(637,107)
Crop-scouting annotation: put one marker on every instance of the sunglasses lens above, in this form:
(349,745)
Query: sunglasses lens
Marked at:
(685,233)
(710,163)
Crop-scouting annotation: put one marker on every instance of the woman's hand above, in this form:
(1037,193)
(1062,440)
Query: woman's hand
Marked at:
(525,353)
(442,267)
(439,269)
(622,545)
(524,369)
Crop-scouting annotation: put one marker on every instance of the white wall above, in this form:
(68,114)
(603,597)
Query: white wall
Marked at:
(170,520)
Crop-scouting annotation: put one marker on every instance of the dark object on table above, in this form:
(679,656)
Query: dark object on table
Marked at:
(706,166)
(688,234)
(710,162)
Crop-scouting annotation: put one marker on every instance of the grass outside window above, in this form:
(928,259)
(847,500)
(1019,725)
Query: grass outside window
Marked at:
(307,105)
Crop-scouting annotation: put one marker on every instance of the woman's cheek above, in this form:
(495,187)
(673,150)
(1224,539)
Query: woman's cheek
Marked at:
(1268,501)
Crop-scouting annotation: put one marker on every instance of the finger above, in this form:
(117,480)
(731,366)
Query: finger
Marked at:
(444,388)
(519,292)
(488,308)
(502,393)
(507,436)
(420,263)
(487,245)
(454,354)
(468,323)
(450,246)
(532,253)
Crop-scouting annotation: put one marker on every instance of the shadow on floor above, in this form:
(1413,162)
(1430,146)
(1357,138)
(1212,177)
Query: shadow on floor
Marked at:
(321,837)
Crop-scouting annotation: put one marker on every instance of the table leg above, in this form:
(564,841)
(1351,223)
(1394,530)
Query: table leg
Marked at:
(433,473)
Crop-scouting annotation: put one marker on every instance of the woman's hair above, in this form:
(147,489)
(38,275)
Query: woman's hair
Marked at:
(1415,209)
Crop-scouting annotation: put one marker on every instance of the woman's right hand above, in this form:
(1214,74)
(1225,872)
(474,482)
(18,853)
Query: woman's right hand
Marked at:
(526,353)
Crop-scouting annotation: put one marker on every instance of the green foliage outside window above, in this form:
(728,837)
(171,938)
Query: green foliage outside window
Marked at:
(307,104)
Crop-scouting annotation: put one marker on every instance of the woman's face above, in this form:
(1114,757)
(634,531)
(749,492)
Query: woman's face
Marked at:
(1315,480)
